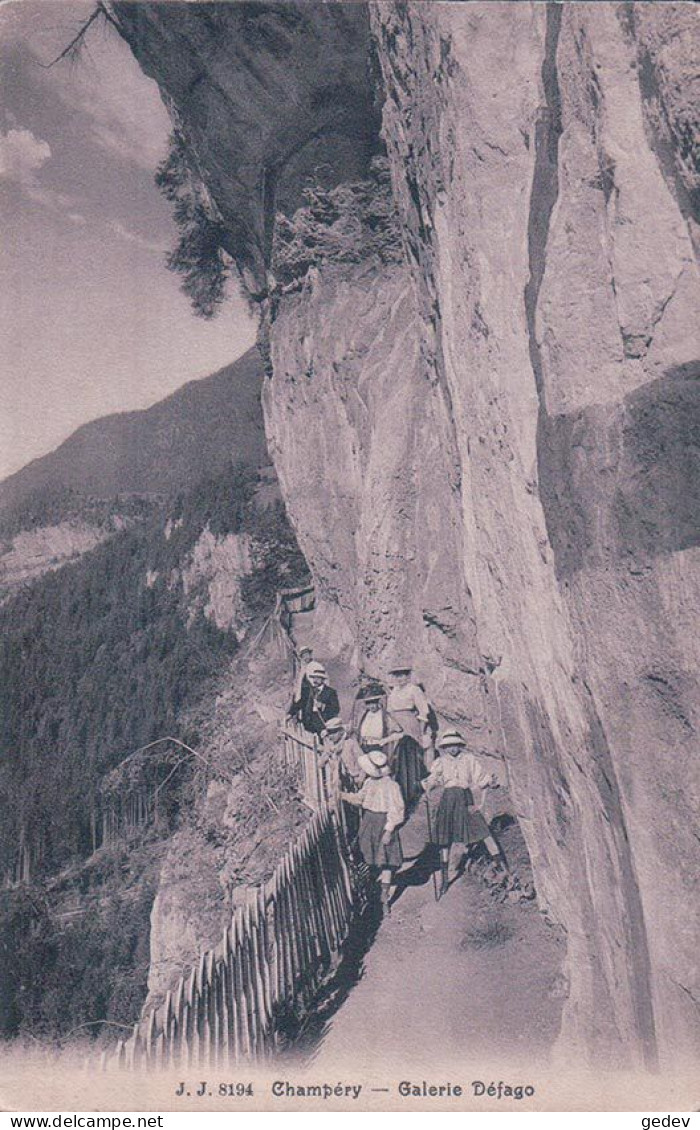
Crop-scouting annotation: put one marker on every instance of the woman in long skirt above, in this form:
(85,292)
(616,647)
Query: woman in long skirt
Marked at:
(408,707)
(382,813)
(464,779)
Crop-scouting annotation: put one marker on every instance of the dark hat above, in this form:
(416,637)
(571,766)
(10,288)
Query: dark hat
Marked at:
(372,692)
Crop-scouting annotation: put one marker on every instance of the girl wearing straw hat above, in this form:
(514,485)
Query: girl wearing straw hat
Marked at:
(464,779)
(382,812)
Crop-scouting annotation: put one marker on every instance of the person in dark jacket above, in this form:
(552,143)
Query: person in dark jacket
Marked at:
(319,704)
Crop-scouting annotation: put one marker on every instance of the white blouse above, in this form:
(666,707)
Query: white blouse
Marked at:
(410,697)
(372,726)
(383,794)
(462,772)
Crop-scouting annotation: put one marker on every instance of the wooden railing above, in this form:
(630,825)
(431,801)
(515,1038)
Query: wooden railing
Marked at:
(318,782)
(277,951)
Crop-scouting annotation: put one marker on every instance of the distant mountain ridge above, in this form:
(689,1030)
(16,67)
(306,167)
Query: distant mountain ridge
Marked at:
(160,450)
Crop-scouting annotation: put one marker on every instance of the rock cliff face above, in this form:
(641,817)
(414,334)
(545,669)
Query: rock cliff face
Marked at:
(553,263)
(263,94)
(490,451)
(31,553)
(212,579)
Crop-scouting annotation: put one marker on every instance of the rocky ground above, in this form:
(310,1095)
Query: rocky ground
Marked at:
(473,977)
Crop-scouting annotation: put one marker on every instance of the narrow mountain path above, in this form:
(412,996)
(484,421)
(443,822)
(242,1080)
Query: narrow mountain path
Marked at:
(469,977)
(475,976)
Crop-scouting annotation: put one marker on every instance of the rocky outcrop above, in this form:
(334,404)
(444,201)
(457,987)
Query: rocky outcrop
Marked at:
(490,452)
(374,500)
(31,553)
(554,269)
(266,97)
(212,576)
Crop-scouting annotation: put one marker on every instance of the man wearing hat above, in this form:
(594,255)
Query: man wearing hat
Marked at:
(464,779)
(382,812)
(320,704)
(409,708)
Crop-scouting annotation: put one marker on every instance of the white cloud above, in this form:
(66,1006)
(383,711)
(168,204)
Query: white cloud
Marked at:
(21,155)
(134,238)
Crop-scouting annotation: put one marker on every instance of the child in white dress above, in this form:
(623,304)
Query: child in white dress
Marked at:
(382,812)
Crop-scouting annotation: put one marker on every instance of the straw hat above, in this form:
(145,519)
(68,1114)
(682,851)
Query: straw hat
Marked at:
(401,669)
(372,763)
(335,724)
(378,758)
(316,669)
(450,738)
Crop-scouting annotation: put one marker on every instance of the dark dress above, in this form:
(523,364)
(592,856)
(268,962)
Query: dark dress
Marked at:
(456,823)
(374,852)
(408,759)
(409,768)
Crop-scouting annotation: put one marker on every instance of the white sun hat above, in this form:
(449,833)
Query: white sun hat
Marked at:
(372,763)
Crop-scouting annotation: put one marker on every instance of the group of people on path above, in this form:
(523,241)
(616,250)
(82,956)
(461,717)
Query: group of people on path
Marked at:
(392,754)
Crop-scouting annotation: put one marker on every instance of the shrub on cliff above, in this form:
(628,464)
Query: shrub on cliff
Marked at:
(346,224)
(278,562)
(199,256)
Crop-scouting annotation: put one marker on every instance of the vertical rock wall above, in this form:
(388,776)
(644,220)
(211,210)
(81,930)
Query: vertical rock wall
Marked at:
(552,255)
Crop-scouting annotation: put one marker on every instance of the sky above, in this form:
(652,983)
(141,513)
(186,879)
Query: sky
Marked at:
(91,321)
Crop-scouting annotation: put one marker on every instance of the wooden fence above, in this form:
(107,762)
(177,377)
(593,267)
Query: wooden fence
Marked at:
(275,954)
(301,752)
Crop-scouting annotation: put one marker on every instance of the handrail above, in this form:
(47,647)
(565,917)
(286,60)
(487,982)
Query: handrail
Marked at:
(276,951)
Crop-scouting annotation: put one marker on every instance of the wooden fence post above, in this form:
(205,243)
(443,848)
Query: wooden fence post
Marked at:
(276,948)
